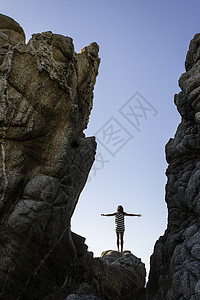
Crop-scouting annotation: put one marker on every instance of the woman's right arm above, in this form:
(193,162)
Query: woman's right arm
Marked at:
(107,215)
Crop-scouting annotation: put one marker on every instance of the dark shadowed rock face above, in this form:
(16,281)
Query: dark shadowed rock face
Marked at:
(46,93)
(114,275)
(175,264)
(119,276)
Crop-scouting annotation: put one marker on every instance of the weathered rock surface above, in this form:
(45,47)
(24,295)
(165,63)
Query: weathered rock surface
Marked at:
(84,292)
(46,93)
(119,276)
(114,275)
(175,264)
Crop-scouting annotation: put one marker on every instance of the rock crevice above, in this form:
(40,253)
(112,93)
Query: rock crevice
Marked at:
(46,95)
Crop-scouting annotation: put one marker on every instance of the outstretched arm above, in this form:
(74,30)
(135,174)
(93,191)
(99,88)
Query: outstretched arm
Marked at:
(107,215)
(132,215)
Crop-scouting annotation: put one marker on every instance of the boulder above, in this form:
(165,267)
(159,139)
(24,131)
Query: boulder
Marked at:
(114,275)
(119,276)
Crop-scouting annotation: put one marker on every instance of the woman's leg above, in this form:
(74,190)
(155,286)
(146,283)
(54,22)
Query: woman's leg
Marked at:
(117,234)
(122,241)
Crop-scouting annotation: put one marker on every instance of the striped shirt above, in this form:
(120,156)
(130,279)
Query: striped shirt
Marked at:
(119,222)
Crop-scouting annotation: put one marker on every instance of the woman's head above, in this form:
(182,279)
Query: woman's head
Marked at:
(120,209)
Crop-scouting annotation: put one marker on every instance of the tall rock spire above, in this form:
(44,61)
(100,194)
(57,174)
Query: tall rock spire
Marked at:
(175,263)
(46,94)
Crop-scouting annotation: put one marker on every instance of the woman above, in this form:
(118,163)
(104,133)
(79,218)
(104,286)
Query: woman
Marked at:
(119,224)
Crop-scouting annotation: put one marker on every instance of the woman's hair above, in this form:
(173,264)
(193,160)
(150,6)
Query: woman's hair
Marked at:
(120,209)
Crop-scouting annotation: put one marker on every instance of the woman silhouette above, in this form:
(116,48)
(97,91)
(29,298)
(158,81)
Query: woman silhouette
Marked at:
(119,224)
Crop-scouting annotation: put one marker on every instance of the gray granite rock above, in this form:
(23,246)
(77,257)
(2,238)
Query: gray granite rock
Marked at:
(83,292)
(175,263)
(114,275)
(119,276)
(46,95)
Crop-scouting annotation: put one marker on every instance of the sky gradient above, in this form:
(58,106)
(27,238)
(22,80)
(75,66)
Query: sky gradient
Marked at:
(143,45)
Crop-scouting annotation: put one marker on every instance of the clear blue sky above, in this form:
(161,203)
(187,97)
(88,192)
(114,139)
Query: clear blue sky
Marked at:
(142,47)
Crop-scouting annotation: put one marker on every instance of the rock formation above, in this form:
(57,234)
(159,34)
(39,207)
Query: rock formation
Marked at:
(114,275)
(175,263)
(46,94)
(119,276)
